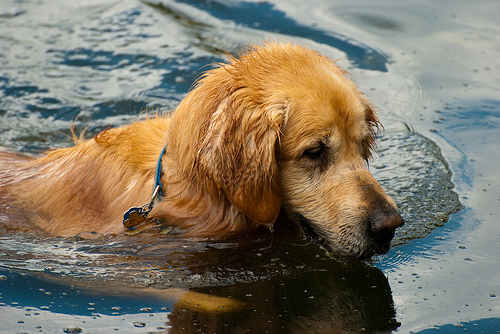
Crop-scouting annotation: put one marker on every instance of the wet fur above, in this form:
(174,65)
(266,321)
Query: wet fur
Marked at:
(238,150)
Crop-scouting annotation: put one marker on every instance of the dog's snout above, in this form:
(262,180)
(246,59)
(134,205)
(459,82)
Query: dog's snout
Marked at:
(386,222)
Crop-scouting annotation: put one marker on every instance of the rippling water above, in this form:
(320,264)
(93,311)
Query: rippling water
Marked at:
(101,63)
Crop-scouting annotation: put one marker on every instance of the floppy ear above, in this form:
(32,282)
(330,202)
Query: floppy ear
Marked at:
(374,125)
(238,151)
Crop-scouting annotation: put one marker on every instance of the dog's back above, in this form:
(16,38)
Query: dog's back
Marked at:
(86,187)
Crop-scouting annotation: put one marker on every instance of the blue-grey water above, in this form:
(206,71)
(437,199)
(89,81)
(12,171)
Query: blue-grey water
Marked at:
(432,69)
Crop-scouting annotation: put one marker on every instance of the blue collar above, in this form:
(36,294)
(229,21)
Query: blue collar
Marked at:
(158,184)
(138,215)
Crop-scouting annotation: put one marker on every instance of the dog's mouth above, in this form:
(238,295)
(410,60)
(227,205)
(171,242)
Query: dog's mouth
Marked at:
(366,247)
(310,232)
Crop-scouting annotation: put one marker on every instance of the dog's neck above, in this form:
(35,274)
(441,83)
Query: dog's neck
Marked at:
(138,215)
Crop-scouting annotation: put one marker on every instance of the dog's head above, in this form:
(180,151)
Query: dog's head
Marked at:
(287,128)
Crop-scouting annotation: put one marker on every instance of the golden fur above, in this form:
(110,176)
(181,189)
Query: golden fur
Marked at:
(282,127)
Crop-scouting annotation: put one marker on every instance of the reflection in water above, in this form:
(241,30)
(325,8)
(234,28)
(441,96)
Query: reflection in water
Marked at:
(339,299)
(277,285)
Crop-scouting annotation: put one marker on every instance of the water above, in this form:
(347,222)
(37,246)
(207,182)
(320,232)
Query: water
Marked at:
(430,67)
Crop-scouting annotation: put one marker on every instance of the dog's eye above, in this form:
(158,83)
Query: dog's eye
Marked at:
(315,152)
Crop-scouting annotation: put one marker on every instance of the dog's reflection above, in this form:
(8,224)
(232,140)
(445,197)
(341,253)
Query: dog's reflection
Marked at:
(346,299)
(296,288)
(278,284)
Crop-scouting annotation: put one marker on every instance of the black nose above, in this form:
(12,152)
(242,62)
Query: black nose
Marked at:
(386,222)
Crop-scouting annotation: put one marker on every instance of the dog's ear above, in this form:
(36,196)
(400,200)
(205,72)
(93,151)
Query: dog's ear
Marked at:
(374,126)
(238,152)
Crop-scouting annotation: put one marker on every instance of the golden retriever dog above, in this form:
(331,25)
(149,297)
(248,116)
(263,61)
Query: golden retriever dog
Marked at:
(280,127)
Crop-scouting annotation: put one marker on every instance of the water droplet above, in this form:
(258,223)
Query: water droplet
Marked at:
(54,74)
(12,12)
(72,329)
(22,56)
(139,324)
